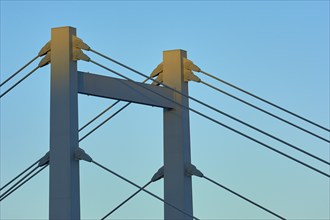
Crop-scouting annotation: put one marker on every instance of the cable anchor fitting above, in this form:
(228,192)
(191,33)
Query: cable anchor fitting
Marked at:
(158,73)
(80,154)
(78,54)
(44,160)
(158,175)
(77,46)
(79,43)
(46,60)
(45,49)
(189,67)
(191,170)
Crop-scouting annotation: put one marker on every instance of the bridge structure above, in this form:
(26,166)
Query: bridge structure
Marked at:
(168,90)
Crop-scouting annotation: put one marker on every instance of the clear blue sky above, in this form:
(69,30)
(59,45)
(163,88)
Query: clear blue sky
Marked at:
(276,49)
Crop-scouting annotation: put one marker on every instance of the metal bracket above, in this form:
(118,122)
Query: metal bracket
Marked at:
(44,160)
(77,46)
(46,60)
(45,49)
(158,175)
(79,43)
(157,72)
(191,170)
(158,80)
(78,54)
(80,154)
(190,76)
(189,67)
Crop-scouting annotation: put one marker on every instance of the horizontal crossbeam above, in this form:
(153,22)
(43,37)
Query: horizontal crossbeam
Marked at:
(114,88)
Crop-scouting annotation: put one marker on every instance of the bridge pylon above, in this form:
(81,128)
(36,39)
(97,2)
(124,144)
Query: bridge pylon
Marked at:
(67,82)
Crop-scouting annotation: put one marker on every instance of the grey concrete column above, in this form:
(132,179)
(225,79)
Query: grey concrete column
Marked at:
(177,185)
(64,199)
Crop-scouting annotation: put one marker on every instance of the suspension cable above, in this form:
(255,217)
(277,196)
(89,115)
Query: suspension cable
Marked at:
(103,112)
(216,121)
(137,186)
(196,100)
(18,182)
(274,137)
(265,101)
(126,200)
(3,196)
(111,116)
(242,197)
(115,61)
(99,115)
(264,111)
(24,171)
(18,71)
(21,80)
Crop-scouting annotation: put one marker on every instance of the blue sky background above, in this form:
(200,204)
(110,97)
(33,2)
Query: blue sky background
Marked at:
(276,49)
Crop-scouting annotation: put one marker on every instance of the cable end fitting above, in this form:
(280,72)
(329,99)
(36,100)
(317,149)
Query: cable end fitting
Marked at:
(191,170)
(158,175)
(189,67)
(46,60)
(79,43)
(190,76)
(158,80)
(80,154)
(44,160)
(158,70)
(45,49)
(77,54)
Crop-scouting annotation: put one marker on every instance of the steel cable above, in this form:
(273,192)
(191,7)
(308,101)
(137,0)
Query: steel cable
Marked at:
(265,101)
(3,196)
(146,191)
(103,112)
(111,116)
(266,112)
(18,71)
(99,115)
(244,198)
(217,122)
(21,80)
(126,200)
(198,101)
(267,134)
(18,182)
(24,171)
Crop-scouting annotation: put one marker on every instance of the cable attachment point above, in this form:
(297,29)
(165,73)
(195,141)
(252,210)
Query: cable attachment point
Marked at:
(44,160)
(80,154)
(157,72)
(79,43)
(46,60)
(78,54)
(45,49)
(77,46)
(189,67)
(191,170)
(158,175)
